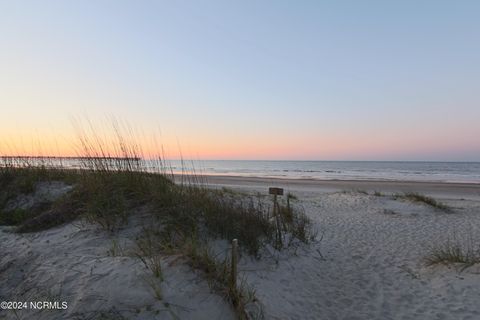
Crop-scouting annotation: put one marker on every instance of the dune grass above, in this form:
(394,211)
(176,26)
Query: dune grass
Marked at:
(199,255)
(217,273)
(417,197)
(15,181)
(111,183)
(454,251)
(355,191)
(107,198)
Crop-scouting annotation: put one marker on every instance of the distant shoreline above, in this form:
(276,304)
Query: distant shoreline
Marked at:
(440,189)
(333,181)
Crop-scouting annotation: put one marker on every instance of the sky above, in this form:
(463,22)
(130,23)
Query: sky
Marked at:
(296,80)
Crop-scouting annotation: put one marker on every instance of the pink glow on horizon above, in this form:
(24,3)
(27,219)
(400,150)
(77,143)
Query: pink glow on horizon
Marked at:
(333,146)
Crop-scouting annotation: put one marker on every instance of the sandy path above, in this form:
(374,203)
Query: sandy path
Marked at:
(372,264)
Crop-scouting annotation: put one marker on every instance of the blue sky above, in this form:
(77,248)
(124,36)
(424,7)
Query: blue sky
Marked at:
(348,80)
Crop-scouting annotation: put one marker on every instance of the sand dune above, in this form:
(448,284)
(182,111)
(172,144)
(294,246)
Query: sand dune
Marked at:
(368,262)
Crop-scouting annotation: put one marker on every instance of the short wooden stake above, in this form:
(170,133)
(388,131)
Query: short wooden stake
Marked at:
(234,263)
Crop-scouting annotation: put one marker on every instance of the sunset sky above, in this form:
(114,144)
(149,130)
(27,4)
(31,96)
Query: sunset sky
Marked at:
(313,80)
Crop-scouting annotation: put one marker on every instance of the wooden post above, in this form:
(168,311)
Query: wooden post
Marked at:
(279,224)
(275,205)
(277,192)
(288,203)
(234,263)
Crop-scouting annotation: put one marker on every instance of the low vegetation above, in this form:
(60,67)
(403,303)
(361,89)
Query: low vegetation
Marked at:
(454,252)
(354,191)
(217,272)
(417,197)
(17,182)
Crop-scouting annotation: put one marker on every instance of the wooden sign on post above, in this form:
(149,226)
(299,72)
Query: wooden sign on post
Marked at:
(276,191)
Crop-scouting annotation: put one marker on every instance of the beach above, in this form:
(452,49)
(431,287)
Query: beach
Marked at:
(438,189)
(232,160)
(367,262)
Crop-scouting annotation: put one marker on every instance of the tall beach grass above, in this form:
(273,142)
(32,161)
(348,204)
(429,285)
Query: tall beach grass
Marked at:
(115,177)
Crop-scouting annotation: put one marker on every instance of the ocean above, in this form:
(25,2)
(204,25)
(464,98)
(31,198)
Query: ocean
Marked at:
(337,170)
(466,172)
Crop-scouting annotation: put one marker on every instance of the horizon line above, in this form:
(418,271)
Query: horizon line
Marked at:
(189,160)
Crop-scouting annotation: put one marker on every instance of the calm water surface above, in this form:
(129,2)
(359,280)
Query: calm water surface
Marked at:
(342,170)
